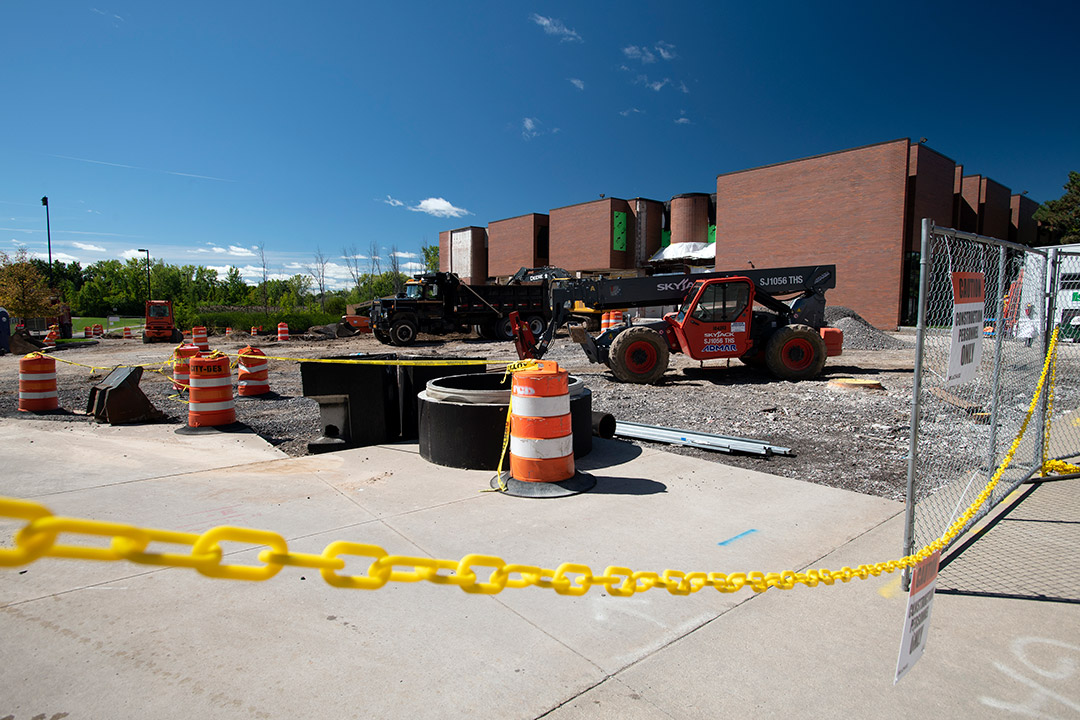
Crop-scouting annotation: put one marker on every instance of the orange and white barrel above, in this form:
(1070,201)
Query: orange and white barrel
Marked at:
(127,333)
(541,436)
(37,384)
(210,398)
(198,338)
(51,337)
(87,331)
(252,372)
(228,332)
(98,331)
(282,332)
(611,319)
(254,331)
(181,365)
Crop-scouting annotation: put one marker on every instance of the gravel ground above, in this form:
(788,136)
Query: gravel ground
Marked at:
(852,439)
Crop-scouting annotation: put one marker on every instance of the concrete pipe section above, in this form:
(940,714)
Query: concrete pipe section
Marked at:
(463,420)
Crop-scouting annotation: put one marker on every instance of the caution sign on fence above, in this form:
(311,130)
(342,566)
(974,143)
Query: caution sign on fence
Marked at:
(917,617)
(965,350)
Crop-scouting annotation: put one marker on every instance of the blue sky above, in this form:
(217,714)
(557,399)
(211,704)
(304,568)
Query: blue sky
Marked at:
(201,130)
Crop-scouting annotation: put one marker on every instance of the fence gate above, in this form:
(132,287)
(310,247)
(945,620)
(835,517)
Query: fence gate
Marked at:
(987,310)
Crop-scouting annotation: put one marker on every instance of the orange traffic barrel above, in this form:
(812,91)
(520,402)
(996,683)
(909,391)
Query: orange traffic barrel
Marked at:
(37,384)
(254,331)
(87,331)
(252,376)
(541,438)
(210,395)
(611,319)
(282,332)
(127,333)
(181,365)
(98,331)
(228,332)
(198,338)
(51,336)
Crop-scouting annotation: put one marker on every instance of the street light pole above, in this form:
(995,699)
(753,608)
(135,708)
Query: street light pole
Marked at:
(48,234)
(148,296)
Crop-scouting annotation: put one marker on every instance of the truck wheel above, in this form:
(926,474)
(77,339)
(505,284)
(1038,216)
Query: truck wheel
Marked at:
(177,336)
(502,331)
(403,332)
(795,352)
(638,355)
(380,334)
(485,331)
(537,326)
(146,339)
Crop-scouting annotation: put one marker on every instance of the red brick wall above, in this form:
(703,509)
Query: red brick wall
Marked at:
(444,251)
(970,191)
(649,235)
(994,211)
(512,244)
(845,209)
(1022,226)
(581,236)
(930,192)
(690,219)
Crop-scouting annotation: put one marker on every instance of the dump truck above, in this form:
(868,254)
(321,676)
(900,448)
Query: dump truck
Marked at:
(735,314)
(159,323)
(440,303)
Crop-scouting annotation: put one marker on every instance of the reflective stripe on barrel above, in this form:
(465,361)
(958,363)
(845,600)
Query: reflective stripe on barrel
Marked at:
(252,376)
(541,437)
(210,398)
(37,384)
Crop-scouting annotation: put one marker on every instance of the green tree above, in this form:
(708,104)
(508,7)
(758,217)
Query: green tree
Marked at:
(431,257)
(1062,216)
(22,287)
(234,288)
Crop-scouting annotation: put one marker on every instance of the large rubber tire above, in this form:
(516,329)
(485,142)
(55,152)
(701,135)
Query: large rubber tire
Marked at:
(537,325)
(380,335)
(146,339)
(485,331)
(795,352)
(638,355)
(403,332)
(502,331)
(177,336)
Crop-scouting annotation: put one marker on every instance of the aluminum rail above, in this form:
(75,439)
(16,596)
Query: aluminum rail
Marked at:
(705,441)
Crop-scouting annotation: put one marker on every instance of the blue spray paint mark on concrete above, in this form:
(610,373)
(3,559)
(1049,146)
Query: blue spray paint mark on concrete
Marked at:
(740,535)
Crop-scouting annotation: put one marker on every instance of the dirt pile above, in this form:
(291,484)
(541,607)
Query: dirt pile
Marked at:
(859,334)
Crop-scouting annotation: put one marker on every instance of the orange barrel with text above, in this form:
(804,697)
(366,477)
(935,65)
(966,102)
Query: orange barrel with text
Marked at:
(252,376)
(37,384)
(87,331)
(127,333)
(198,338)
(98,331)
(181,365)
(282,332)
(541,437)
(210,398)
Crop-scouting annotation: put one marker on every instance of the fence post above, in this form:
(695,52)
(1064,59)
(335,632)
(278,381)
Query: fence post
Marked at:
(916,388)
(999,340)
(1050,309)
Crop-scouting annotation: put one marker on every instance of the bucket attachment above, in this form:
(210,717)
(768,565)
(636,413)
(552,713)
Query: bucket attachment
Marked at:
(118,400)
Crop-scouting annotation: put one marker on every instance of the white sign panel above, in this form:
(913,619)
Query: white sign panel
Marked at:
(965,350)
(917,617)
(461,252)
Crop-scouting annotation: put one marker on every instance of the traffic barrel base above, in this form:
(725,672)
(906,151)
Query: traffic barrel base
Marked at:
(579,483)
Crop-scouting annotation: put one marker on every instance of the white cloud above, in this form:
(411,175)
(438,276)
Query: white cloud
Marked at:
(239,251)
(355,257)
(413,267)
(402,254)
(579,84)
(554,26)
(643,54)
(683,88)
(682,121)
(221,270)
(294,266)
(393,202)
(656,85)
(56,256)
(666,50)
(132,253)
(530,128)
(630,111)
(87,246)
(437,207)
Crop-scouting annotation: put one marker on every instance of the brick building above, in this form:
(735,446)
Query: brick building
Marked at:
(859,209)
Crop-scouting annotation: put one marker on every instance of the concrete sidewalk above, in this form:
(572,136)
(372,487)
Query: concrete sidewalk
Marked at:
(117,640)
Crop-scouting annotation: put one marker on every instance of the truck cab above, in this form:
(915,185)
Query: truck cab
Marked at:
(159,323)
